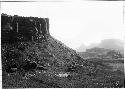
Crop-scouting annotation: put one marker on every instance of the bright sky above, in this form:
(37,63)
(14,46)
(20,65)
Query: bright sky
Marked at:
(75,23)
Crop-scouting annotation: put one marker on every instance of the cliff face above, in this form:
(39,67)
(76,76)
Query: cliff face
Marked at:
(29,50)
(16,28)
(32,58)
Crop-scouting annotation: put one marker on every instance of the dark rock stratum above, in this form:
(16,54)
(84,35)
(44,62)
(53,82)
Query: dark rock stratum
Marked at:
(32,58)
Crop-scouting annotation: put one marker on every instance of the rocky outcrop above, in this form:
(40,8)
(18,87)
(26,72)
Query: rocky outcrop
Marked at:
(32,58)
(16,28)
(29,49)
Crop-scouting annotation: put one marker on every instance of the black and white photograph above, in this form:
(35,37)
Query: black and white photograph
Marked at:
(62,44)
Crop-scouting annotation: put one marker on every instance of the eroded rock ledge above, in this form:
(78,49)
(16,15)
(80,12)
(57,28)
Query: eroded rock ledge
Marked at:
(32,58)
(16,28)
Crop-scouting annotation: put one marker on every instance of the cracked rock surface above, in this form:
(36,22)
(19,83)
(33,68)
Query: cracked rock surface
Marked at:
(32,58)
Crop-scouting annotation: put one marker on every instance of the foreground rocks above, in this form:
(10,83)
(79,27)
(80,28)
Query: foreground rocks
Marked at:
(32,58)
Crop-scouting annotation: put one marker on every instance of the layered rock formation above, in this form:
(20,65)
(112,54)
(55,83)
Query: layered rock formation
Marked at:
(15,28)
(31,57)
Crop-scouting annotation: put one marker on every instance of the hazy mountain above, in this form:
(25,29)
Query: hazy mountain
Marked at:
(101,53)
(82,48)
(92,45)
(32,58)
(113,44)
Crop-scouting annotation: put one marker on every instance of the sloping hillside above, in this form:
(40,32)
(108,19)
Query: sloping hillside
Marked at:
(32,58)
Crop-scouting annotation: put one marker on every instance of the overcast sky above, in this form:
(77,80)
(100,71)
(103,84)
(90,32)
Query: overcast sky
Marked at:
(75,23)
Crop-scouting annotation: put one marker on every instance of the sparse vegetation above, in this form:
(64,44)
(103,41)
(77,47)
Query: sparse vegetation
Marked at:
(44,62)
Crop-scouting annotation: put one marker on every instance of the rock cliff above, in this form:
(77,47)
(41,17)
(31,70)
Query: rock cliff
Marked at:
(32,58)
